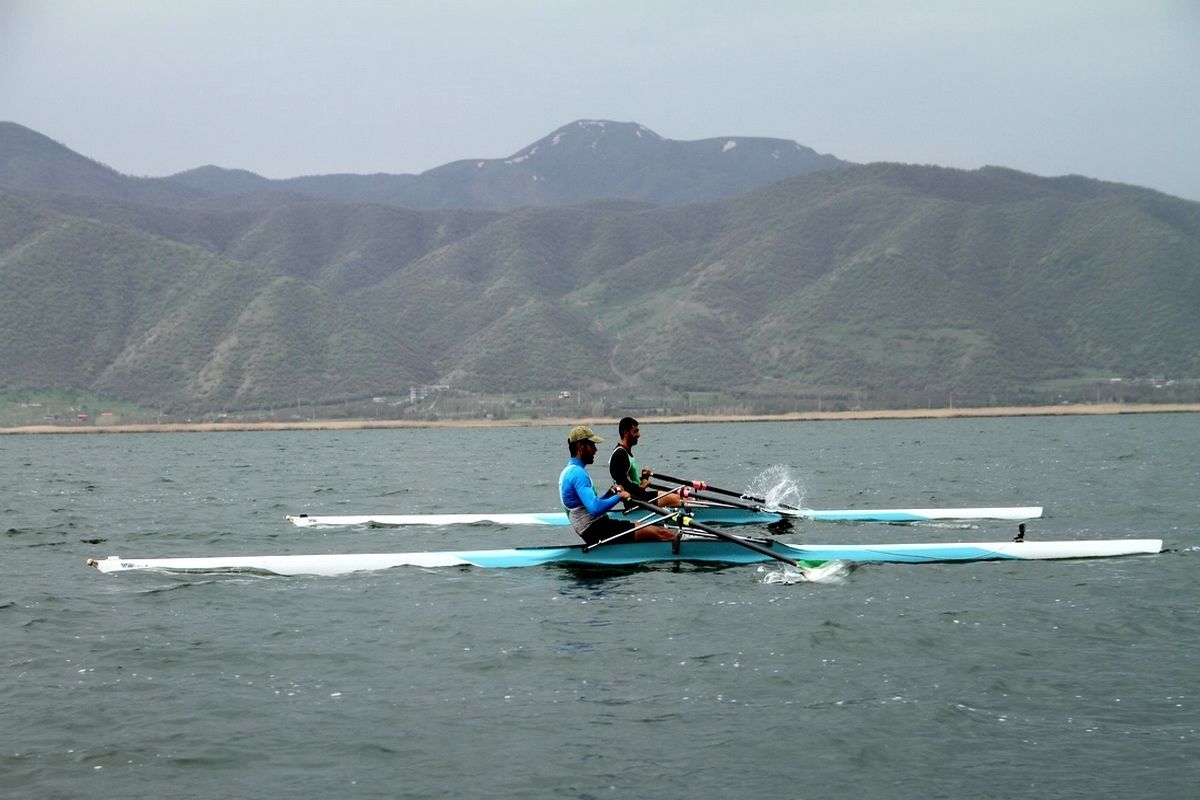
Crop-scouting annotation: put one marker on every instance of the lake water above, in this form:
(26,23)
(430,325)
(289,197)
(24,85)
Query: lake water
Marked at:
(992,680)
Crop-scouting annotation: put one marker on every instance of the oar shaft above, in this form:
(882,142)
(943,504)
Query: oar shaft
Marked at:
(700,485)
(719,490)
(732,503)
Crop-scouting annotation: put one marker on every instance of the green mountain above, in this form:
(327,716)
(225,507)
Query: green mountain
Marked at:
(906,284)
(139,317)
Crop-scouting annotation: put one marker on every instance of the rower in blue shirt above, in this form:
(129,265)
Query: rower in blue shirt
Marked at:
(585,509)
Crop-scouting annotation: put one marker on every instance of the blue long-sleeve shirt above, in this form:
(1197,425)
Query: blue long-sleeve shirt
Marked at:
(579,496)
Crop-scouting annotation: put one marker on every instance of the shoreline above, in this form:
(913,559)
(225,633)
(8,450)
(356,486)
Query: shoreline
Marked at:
(1100,409)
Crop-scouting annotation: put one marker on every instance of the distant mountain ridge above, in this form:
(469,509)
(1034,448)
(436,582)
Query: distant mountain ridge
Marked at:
(585,160)
(29,160)
(907,282)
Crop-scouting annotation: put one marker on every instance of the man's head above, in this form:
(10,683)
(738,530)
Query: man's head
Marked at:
(629,431)
(582,441)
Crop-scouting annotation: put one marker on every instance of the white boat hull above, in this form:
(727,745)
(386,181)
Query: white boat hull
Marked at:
(705,515)
(717,551)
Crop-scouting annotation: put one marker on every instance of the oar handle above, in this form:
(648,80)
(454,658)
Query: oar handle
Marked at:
(688,522)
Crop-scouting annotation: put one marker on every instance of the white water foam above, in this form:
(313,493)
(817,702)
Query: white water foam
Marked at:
(830,572)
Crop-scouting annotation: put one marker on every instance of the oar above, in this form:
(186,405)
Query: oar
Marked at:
(719,490)
(730,503)
(688,522)
(684,492)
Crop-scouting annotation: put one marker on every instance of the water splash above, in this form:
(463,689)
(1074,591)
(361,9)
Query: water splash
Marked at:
(829,572)
(778,487)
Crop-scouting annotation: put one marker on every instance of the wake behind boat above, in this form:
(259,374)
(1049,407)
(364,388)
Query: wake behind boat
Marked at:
(694,550)
(709,515)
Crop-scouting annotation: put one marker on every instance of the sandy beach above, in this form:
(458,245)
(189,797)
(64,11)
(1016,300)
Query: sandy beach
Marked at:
(808,416)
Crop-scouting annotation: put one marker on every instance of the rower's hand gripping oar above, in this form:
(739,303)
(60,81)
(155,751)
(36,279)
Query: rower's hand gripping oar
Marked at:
(687,522)
(727,492)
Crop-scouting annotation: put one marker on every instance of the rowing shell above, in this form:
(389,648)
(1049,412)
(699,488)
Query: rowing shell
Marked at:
(710,515)
(716,551)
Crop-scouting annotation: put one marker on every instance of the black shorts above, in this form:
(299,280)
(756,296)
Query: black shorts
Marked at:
(606,528)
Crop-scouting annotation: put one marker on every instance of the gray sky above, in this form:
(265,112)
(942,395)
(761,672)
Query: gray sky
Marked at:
(1101,88)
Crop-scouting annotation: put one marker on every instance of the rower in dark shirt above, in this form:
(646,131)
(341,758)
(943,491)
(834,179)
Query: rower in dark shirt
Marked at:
(624,469)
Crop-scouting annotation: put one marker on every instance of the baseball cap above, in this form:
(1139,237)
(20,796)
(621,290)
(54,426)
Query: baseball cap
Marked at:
(581,432)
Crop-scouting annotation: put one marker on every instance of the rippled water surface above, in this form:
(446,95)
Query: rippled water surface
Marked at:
(993,680)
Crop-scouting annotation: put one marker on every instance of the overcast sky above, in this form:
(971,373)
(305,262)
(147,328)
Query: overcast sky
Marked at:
(1101,88)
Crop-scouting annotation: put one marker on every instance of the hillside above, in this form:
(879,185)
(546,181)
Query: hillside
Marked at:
(909,280)
(910,285)
(134,316)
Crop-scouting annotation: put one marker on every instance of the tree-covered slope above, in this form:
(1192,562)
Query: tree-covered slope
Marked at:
(902,281)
